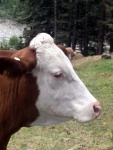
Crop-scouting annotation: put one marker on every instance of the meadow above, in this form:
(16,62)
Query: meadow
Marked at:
(97,135)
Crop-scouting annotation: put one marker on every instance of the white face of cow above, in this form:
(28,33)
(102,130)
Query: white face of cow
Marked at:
(63,96)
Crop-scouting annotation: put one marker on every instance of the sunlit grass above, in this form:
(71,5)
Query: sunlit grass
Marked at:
(96,135)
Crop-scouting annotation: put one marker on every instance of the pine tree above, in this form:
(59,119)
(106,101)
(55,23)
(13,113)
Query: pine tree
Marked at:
(109,24)
(70,22)
(38,17)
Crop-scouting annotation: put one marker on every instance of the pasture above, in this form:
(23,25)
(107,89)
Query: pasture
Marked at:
(97,74)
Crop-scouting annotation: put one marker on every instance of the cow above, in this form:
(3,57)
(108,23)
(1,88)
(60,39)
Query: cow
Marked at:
(39,87)
(70,52)
(62,47)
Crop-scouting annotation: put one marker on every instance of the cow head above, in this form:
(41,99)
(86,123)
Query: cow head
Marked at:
(63,96)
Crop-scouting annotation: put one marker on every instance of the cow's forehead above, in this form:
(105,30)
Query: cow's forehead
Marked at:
(44,45)
(48,54)
(50,51)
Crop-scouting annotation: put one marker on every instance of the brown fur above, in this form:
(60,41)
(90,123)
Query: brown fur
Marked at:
(18,92)
(27,61)
(70,52)
(63,49)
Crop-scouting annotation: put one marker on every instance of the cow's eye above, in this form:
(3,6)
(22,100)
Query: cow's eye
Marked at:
(58,74)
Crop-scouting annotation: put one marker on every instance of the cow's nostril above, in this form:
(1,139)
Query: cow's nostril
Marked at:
(97,109)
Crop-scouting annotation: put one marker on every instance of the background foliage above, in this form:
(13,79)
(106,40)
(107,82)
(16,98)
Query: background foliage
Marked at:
(84,23)
(13,43)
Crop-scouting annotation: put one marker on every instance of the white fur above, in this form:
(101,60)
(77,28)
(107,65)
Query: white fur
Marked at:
(40,39)
(62,98)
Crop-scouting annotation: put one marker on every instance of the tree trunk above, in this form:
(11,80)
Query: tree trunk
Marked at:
(111,39)
(85,36)
(74,33)
(101,30)
(111,45)
(74,38)
(55,21)
(69,40)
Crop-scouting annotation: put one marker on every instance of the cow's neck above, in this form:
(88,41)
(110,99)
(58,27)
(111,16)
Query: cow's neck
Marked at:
(4,142)
(17,105)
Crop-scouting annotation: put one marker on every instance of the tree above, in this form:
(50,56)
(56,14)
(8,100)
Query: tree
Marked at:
(109,24)
(38,17)
(101,28)
(70,22)
(55,20)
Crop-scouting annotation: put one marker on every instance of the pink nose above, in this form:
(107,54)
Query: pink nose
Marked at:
(97,109)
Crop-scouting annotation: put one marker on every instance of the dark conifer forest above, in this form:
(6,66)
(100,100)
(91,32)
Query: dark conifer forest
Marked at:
(87,24)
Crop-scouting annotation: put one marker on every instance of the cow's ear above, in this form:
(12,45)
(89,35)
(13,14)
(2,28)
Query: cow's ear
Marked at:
(15,66)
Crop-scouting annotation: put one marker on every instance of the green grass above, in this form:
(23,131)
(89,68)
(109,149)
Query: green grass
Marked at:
(96,135)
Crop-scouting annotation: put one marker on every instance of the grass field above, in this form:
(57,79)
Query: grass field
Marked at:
(97,135)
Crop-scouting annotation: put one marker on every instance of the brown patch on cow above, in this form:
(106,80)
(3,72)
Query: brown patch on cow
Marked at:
(8,53)
(18,94)
(63,49)
(13,67)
